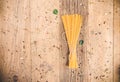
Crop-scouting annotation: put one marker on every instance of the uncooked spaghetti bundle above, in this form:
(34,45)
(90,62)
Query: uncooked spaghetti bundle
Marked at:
(72,25)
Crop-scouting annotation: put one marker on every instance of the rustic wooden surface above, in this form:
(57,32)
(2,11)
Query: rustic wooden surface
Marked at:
(33,46)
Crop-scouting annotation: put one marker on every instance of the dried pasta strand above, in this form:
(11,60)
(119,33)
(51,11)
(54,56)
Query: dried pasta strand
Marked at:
(72,56)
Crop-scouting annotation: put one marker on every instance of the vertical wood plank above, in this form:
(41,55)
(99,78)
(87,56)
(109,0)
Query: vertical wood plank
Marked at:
(82,71)
(63,58)
(74,75)
(15,41)
(45,44)
(116,41)
(100,41)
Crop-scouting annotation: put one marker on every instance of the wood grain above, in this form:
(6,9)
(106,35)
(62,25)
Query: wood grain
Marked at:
(100,41)
(116,41)
(15,41)
(45,44)
(33,45)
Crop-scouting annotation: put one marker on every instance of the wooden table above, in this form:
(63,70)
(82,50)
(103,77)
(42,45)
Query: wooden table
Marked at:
(33,45)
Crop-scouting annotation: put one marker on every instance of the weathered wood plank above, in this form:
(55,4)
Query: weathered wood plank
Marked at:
(100,41)
(65,72)
(116,41)
(63,58)
(74,75)
(45,44)
(82,71)
(14,41)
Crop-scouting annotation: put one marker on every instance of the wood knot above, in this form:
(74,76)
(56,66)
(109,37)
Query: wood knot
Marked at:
(15,78)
